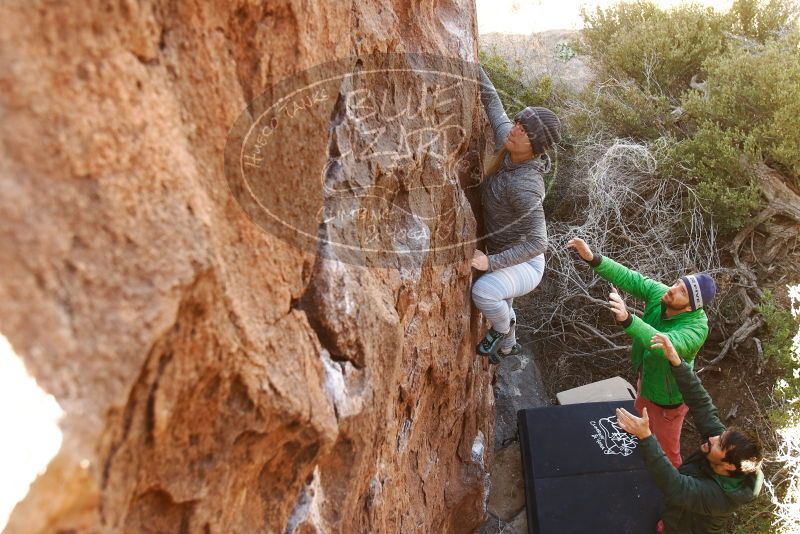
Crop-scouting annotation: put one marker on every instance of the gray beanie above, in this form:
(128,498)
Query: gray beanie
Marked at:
(541,125)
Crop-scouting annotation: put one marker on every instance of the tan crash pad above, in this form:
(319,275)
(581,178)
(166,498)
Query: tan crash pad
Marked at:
(611,389)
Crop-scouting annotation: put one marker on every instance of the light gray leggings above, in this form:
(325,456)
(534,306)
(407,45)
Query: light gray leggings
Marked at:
(494,293)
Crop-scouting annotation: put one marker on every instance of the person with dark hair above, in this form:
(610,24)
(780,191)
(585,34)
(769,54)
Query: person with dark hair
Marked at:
(676,311)
(512,193)
(713,482)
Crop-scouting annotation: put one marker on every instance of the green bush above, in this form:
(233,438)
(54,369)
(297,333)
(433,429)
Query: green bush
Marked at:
(748,109)
(621,109)
(718,163)
(754,517)
(564,51)
(513,92)
(659,50)
(662,49)
(761,20)
(755,90)
(781,328)
(784,356)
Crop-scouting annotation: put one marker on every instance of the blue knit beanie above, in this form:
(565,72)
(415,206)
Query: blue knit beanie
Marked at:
(701,288)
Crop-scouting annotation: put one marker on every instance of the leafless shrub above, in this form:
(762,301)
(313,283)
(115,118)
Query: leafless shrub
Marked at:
(610,195)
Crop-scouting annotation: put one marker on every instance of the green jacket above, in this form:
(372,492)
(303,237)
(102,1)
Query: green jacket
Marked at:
(687,331)
(698,501)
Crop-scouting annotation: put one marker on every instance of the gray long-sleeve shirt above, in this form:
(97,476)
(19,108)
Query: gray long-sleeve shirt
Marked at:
(512,197)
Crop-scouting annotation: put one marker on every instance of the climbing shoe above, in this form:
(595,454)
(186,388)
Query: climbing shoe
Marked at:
(498,356)
(491,341)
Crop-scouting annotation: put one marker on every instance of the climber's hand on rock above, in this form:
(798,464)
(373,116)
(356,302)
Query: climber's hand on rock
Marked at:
(582,248)
(480,261)
(617,307)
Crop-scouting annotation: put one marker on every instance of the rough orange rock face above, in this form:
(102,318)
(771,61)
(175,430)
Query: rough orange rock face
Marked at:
(217,377)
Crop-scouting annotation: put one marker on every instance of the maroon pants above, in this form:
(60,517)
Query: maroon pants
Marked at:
(665,424)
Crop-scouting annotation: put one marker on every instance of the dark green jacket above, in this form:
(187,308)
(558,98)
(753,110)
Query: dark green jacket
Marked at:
(698,501)
(687,331)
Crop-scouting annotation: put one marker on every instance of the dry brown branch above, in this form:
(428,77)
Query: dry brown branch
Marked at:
(744,332)
(749,305)
(780,198)
(760,352)
(597,334)
(780,201)
(779,236)
(694,83)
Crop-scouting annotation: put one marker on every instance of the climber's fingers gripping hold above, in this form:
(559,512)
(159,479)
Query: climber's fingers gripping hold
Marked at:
(480,261)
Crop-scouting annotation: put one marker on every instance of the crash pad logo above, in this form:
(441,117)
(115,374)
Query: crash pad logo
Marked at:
(367,160)
(610,437)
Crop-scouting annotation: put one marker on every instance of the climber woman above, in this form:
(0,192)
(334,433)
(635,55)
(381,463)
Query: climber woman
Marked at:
(512,193)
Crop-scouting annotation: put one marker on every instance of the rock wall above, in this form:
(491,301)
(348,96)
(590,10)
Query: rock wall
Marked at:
(217,378)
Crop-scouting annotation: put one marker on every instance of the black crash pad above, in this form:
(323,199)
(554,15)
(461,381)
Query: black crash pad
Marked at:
(583,473)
